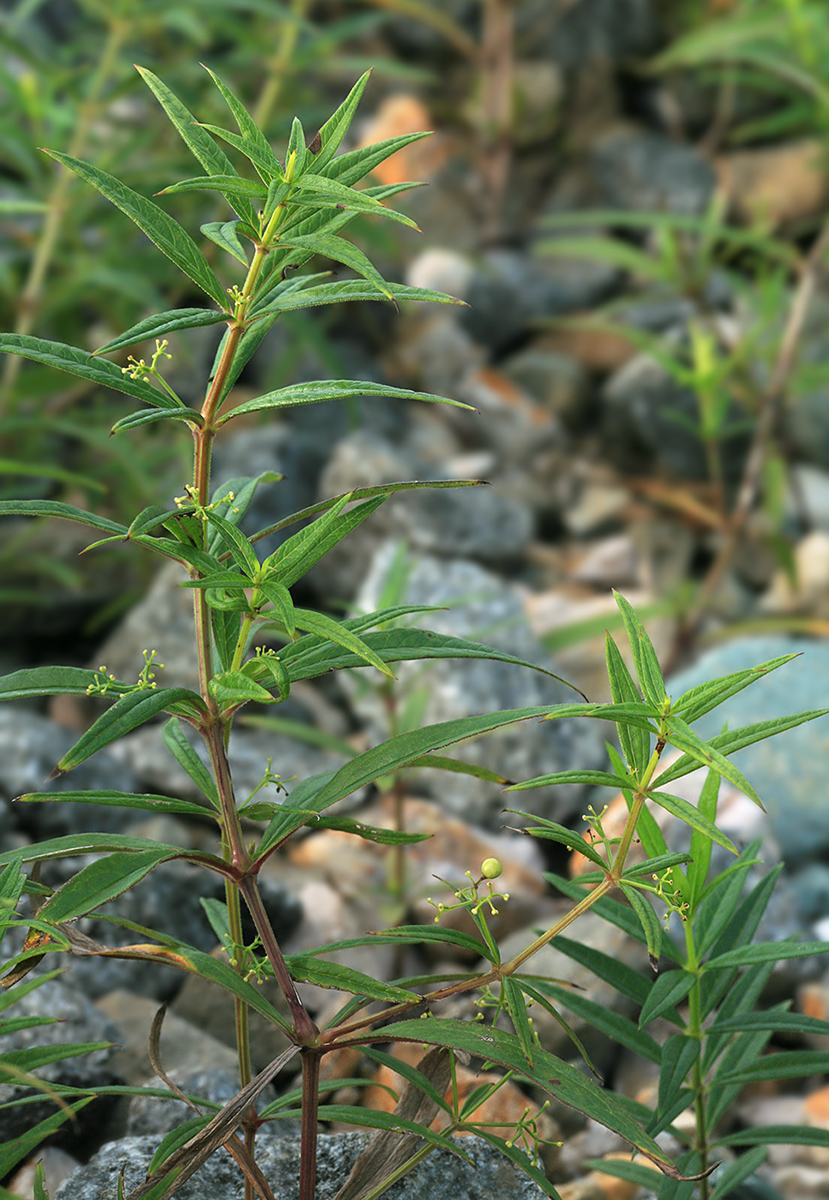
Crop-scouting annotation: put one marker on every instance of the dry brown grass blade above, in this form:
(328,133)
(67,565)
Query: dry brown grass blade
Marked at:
(388,1150)
(219,1132)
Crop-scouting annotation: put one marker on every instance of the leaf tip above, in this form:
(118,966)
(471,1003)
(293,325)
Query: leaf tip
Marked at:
(55,773)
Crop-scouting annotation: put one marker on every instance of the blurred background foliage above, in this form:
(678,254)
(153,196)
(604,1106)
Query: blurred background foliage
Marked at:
(721,74)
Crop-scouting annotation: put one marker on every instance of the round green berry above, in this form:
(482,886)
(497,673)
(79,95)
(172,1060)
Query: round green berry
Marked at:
(491,868)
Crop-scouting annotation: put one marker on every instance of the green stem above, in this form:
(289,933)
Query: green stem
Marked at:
(697,1078)
(277,69)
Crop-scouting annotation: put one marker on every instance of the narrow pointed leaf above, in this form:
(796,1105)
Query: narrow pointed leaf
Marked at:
(81,363)
(49,681)
(648,670)
(347,290)
(224,235)
(148,802)
(697,701)
(341,251)
(159,227)
(648,920)
(684,738)
(669,989)
(310,969)
(336,127)
(153,416)
(200,143)
(559,833)
(250,132)
(56,508)
(691,815)
(737,739)
(355,165)
(634,741)
(236,542)
(331,389)
(128,713)
(517,1006)
(188,760)
(397,752)
(229,186)
(299,552)
(160,324)
(318,192)
(555,1076)
(326,627)
(101,881)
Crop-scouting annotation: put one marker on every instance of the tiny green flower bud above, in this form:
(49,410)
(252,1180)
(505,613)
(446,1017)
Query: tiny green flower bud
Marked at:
(491,868)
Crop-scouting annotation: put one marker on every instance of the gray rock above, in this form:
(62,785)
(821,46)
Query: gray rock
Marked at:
(440,1177)
(646,172)
(787,771)
(480,606)
(510,291)
(578,34)
(474,523)
(556,381)
(162,621)
(30,746)
(645,421)
(75,1020)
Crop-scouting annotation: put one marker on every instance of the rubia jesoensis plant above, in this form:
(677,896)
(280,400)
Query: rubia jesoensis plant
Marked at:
(294,210)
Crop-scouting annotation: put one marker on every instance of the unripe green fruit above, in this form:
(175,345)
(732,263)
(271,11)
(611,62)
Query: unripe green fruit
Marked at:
(491,868)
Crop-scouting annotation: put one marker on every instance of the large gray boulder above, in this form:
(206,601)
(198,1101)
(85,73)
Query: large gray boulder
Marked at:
(441,1176)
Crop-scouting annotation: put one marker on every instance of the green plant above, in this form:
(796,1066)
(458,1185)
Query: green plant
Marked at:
(742,373)
(296,208)
(709,993)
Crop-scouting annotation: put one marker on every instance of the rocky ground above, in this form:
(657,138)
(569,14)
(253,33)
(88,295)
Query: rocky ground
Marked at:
(594,483)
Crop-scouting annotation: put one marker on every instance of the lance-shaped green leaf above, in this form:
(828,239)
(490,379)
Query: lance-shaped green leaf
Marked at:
(252,137)
(647,919)
(283,605)
(634,741)
(148,802)
(341,251)
(56,508)
(593,778)
(334,631)
(81,363)
(691,815)
(375,833)
(647,666)
(160,324)
(72,844)
(353,166)
(51,681)
(669,989)
(158,225)
(153,416)
(298,553)
(234,688)
(200,143)
(317,793)
(311,969)
(229,186)
(318,192)
(331,389)
(236,542)
(306,659)
(555,1076)
(559,833)
(188,760)
(684,738)
(343,291)
(737,739)
(336,127)
(128,713)
(14,1150)
(699,700)
(267,670)
(102,881)
(258,152)
(224,235)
